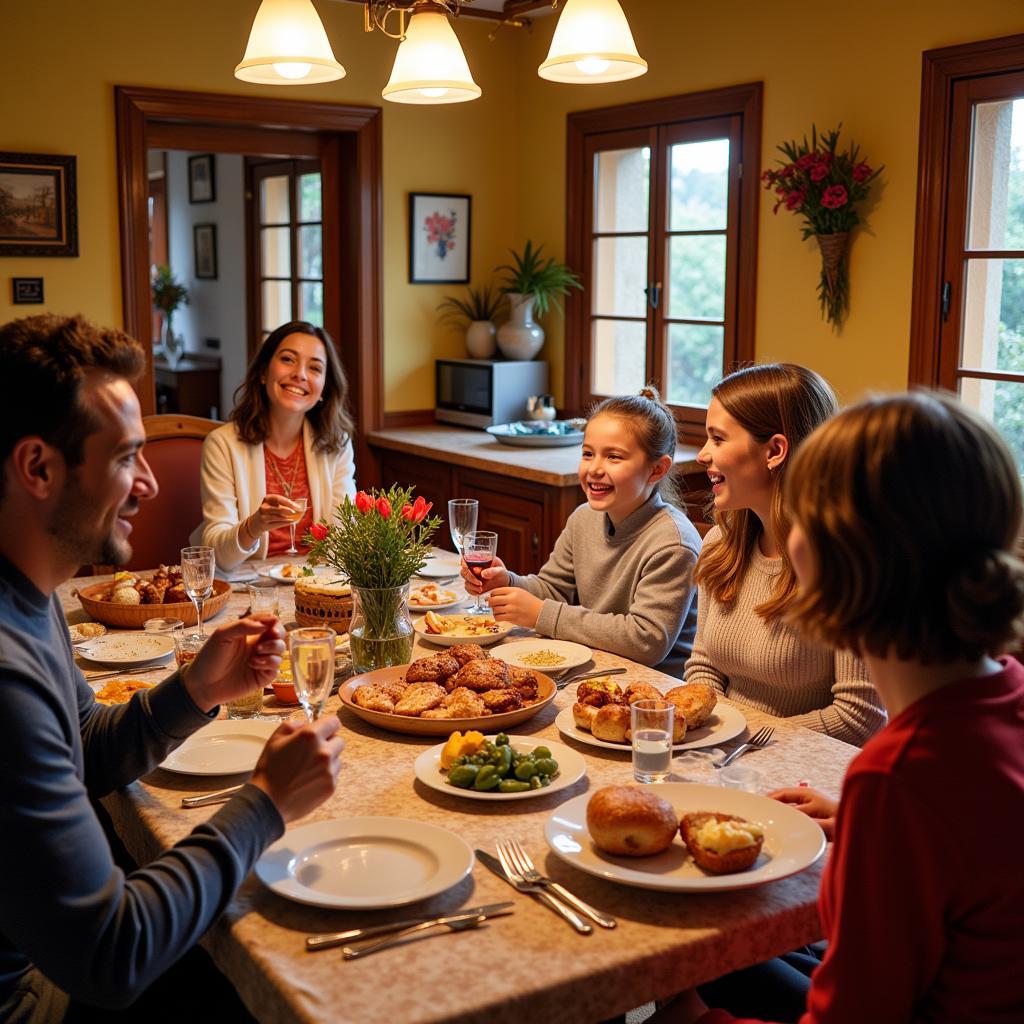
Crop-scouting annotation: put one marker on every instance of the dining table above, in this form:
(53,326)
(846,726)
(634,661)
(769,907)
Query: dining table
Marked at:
(528,966)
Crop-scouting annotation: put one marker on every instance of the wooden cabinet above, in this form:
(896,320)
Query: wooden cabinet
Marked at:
(432,480)
(192,387)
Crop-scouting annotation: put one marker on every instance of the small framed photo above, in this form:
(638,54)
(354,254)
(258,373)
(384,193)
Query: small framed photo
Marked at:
(26,291)
(439,233)
(204,246)
(38,205)
(202,179)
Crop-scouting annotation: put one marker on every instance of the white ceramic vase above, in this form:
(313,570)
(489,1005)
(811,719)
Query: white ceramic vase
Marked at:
(174,345)
(519,337)
(480,343)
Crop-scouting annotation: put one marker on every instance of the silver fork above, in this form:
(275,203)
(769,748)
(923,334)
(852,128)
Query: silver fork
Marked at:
(760,739)
(520,883)
(529,873)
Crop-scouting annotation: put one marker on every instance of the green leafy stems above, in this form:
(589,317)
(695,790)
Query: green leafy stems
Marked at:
(546,280)
(379,540)
(479,304)
(168,292)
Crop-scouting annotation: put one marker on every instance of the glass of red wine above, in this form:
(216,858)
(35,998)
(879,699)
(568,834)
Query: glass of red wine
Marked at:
(478,551)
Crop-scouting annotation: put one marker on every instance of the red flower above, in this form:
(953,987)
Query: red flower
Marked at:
(407,513)
(819,171)
(319,531)
(834,197)
(420,508)
(796,198)
(807,161)
(364,502)
(384,507)
(862,172)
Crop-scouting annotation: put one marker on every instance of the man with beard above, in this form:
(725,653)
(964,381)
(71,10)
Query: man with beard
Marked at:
(74,928)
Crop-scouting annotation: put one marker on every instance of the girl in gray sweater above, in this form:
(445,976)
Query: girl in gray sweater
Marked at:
(619,578)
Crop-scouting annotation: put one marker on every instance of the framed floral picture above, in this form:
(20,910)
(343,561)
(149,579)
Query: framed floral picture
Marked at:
(204,245)
(439,233)
(38,205)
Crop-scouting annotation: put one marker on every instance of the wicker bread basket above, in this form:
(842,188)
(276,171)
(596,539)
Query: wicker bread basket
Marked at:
(133,616)
(323,604)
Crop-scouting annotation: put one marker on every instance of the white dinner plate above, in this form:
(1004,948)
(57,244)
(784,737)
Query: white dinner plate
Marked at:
(571,768)
(224,747)
(792,842)
(413,607)
(439,568)
(447,640)
(572,655)
(364,863)
(726,723)
(126,649)
(321,572)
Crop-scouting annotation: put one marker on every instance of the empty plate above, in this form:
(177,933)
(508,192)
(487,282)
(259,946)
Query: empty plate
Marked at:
(364,862)
(224,747)
(126,649)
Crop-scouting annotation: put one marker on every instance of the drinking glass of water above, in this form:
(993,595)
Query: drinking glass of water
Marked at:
(478,551)
(197,566)
(312,655)
(651,723)
(462,514)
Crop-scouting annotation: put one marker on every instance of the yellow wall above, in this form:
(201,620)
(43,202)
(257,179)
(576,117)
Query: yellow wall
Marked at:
(858,64)
(62,59)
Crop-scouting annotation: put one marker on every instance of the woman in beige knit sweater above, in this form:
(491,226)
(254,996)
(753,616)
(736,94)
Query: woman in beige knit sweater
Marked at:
(757,418)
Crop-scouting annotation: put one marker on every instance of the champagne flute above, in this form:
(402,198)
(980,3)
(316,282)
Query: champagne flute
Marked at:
(312,654)
(462,514)
(478,551)
(197,566)
(294,517)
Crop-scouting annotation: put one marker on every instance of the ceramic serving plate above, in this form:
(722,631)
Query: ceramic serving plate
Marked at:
(126,650)
(224,747)
(462,631)
(546,655)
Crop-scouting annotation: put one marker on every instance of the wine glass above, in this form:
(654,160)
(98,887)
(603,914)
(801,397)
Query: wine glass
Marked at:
(197,565)
(294,517)
(462,519)
(312,653)
(478,551)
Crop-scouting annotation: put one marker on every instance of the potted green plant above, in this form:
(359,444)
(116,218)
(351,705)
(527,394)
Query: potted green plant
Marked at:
(475,315)
(530,280)
(168,295)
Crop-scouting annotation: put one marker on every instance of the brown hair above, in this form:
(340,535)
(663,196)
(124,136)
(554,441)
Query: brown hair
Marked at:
(773,398)
(651,422)
(43,361)
(329,418)
(911,506)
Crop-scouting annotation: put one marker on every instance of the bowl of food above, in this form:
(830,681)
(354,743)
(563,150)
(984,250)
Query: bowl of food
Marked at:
(460,688)
(128,600)
(449,630)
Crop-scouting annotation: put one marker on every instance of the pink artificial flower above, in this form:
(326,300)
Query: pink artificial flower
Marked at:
(384,507)
(364,502)
(788,171)
(795,199)
(834,197)
(807,161)
(319,531)
(862,172)
(819,171)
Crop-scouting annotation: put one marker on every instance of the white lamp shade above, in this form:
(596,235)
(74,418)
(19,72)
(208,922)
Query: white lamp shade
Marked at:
(592,44)
(288,46)
(430,66)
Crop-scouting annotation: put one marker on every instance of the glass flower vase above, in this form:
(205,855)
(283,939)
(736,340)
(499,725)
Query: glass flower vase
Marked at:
(381,632)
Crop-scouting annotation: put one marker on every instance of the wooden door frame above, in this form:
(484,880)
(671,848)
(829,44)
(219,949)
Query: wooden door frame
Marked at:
(348,139)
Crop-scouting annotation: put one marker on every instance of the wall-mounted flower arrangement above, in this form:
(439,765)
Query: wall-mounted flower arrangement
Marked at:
(822,183)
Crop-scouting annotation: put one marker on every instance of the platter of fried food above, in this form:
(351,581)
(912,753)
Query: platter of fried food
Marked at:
(128,600)
(432,596)
(119,691)
(458,689)
(498,767)
(672,829)
(448,630)
(600,716)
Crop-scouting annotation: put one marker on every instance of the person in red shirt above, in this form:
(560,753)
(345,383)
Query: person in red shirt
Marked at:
(906,521)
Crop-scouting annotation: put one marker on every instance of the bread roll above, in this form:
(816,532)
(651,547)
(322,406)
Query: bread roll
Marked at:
(598,692)
(721,843)
(611,723)
(583,715)
(641,691)
(694,700)
(630,821)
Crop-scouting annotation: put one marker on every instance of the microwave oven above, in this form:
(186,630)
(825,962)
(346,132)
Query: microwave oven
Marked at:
(483,392)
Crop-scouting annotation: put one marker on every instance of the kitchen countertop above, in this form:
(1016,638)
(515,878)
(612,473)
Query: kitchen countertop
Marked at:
(476,449)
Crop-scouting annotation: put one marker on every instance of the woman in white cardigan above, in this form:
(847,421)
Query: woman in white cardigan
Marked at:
(289,437)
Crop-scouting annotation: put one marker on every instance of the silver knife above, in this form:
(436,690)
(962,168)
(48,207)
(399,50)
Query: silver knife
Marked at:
(492,863)
(218,797)
(330,939)
(580,677)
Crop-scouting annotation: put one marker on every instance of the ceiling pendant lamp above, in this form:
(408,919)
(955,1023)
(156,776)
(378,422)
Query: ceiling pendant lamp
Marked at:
(592,43)
(430,66)
(288,46)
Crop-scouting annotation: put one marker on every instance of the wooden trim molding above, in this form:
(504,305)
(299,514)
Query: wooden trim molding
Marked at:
(408,418)
(941,70)
(348,139)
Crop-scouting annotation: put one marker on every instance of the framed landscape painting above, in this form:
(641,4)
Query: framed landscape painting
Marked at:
(439,238)
(38,213)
